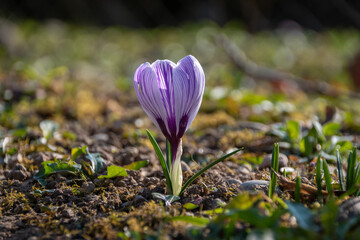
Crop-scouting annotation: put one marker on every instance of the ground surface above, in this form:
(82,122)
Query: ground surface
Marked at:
(80,79)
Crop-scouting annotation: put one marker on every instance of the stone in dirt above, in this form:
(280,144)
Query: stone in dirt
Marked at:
(87,187)
(349,209)
(266,163)
(257,186)
(19,172)
(68,213)
(138,200)
(232,181)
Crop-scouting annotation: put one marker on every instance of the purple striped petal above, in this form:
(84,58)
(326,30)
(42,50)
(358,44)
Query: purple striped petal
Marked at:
(171,94)
(148,93)
(189,82)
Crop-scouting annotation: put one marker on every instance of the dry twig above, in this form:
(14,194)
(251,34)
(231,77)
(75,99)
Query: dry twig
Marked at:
(263,73)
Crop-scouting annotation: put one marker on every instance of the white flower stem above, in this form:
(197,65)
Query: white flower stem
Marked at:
(176,172)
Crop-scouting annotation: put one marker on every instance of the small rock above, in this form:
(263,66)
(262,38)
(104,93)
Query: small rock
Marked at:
(247,166)
(52,185)
(68,213)
(57,192)
(232,181)
(185,167)
(256,186)
(87,187)
(13,160)
(125,205)
(120,183)
(102,182)
(39,158)
(242,171)
(134,174)
(19,172)
(349,209)
(19,167)
(33,238)
(139,200)
(100,137)
(151,181)
(283,161)
(92,198)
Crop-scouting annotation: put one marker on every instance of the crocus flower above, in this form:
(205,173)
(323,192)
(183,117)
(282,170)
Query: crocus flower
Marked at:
(171,95)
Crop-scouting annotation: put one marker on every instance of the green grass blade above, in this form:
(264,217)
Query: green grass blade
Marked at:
(327,178)
(297,189)
(161,158)
(340,171)
(188,182)
(350,176)
(275,166)
(353,162)
(349,173)
(200,221)
(356,180)
(357,175)
(168,154)
(318,175)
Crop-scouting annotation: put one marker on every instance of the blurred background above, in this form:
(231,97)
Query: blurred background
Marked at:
(255,15)
(264,60)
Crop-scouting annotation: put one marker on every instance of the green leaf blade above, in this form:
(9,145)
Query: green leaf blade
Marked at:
(331,128)
(350,174)
(190,206)
(294,130)
(136,165)
(163,164)
(168,154)
(297,189)
(199,221)
(318,175)
(340,171)
(327,178)
(304,217)
(275,166)
(114,171)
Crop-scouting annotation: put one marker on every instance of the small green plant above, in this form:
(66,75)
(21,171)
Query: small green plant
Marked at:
(322,168)
(297,189)
(275,167)
(319,138)
(351,171)
(340,170)
(353,174)
(328,180)
(88,168)
(319,175)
